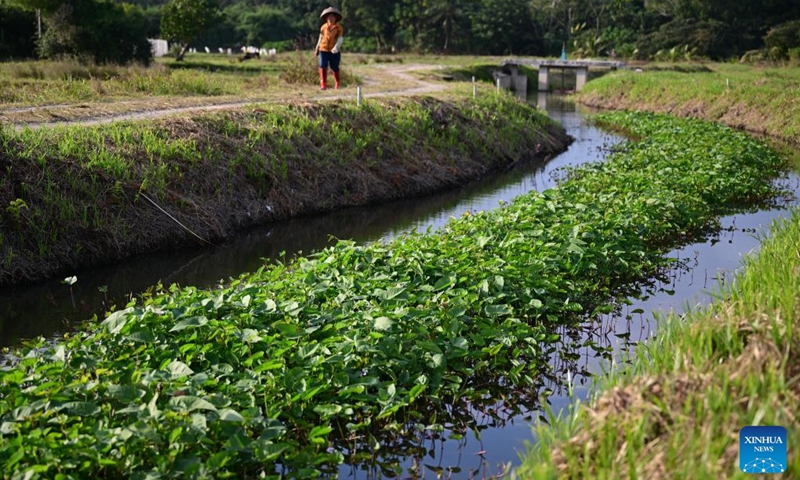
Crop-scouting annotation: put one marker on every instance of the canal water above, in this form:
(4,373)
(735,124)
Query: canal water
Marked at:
(494,434)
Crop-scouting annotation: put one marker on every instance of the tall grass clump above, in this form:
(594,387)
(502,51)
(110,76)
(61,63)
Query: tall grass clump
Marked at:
(300,366)
(303,69)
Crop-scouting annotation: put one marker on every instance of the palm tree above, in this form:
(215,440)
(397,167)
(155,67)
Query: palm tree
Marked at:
(444,14)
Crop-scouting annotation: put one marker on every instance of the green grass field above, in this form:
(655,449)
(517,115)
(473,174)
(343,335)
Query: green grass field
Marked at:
(762,100)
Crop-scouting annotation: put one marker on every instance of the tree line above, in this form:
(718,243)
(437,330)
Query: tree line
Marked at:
(115,30)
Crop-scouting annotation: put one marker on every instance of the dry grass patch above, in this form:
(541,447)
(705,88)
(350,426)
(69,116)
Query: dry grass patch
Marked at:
(659,424)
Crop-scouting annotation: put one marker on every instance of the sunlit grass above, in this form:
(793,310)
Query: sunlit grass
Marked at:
(677,408)
(48,83)
(762,100)
(200,75)
(86,173)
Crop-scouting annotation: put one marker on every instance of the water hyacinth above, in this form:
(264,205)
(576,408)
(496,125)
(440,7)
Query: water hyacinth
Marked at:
(296,367)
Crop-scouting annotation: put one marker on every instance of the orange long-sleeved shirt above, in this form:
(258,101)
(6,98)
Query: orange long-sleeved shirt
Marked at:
(329,34)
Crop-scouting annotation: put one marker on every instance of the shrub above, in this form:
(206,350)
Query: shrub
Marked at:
(279,45)
(782,38)
(17,31)
(794,56)
(754,56)
(361,45)
(98,30)
(303,70)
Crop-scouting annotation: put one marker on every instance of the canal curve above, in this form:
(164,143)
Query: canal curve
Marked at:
(500,429)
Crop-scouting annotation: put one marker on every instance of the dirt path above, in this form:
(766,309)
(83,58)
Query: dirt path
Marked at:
(389,80)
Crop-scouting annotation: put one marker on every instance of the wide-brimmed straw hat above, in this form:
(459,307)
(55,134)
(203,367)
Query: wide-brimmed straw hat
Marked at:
(332,10)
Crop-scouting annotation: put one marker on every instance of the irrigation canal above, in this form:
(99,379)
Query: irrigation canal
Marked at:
(47,309)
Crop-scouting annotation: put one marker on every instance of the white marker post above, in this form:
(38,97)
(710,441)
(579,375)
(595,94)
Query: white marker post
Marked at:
(358,96)
(474,89)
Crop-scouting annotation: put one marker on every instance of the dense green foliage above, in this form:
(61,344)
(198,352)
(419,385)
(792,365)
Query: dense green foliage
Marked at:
(632,28)
(784,40)
(98,30)
(673,405)
(184,20)
(17,32)
(717,29)
(298,365)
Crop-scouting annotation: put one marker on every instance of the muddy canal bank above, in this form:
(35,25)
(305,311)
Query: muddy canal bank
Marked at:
(75,197)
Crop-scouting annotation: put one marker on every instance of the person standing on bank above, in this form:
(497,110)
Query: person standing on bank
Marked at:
(331,35)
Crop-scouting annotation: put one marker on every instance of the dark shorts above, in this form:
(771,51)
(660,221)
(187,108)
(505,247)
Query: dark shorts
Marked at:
(326,58)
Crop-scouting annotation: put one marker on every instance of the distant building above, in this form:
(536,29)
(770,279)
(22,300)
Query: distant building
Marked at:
(159,47)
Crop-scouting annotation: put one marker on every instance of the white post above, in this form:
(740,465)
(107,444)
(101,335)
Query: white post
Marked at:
(474,88)
(498,85)
(358,95)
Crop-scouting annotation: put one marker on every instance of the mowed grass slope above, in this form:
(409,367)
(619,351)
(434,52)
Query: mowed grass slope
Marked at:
(75,196)
(762,100)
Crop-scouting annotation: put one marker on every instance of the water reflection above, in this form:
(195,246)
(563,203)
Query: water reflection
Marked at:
(483,439)
(50,307)
(468,447)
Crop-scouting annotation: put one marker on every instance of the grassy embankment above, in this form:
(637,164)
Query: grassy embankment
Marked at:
(761,100)
(325,359)
(74,196)
(676,409)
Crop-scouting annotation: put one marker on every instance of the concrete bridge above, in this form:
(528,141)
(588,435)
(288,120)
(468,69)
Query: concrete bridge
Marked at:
(510,78)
